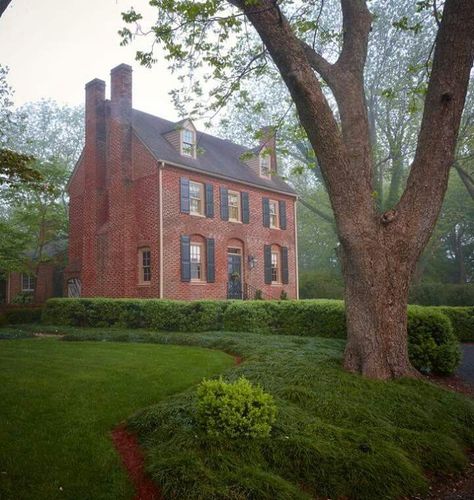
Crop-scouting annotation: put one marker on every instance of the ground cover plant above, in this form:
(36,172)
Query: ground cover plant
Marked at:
(59,402)
(336,434)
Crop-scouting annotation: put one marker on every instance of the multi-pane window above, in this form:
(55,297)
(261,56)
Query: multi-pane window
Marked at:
(196,262)
(196,198)
(234,206)
(264,164)
(275,266)
(187,142)
(273,206)
(27,283)
(145,265)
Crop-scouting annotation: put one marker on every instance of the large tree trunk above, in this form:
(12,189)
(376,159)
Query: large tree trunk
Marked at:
(377,279)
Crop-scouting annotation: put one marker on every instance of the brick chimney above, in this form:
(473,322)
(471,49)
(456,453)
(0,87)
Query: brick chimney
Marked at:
(94,176)
(95,133)
(268,141)
(121,118)
(121,226)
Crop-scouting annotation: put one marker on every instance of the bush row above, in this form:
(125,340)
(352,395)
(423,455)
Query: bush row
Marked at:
(433,346)
(20,315)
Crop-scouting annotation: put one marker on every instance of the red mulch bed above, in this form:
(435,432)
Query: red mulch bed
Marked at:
(133,460)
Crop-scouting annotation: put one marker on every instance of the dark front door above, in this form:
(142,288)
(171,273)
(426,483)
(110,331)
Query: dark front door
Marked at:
(234,273)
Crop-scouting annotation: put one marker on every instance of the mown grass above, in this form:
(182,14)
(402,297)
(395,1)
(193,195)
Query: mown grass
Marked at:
(60,400)
(337,435)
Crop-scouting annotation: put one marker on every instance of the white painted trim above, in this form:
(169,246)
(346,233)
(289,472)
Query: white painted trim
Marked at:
(296,253)
(160,188)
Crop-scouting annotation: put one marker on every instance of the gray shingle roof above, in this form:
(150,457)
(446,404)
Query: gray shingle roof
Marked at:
(219,157)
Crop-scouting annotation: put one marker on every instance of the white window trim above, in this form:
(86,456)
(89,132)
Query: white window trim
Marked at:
(31,279)
(141,273)
(202,198)
(276,252)
(277,214)
(239,207)
(181,143)
(201,256)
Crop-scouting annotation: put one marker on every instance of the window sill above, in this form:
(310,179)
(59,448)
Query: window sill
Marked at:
(198,282)
(195,214)
(276,283)
(235,221)
(148,283)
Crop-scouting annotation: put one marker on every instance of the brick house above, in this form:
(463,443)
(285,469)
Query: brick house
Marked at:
(158,209)
(43,282)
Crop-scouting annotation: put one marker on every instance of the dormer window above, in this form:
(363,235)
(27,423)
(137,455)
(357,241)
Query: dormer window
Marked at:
(188,143)
(264,164)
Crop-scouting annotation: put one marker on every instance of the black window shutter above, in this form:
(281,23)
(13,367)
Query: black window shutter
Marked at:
(184,193)
(282,210)
(266,212)
(284,265)
(209,200)
(267,263)
(210,255)
(244,197)
(185,258)
(224,203)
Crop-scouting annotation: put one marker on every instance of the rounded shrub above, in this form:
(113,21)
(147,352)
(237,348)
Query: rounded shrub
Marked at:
(235,409)
(432,345)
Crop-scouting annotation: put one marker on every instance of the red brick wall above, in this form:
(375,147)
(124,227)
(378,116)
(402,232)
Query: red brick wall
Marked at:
(44,283)
(253,235)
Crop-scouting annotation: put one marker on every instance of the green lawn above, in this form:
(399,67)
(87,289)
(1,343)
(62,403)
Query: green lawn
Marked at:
(59,401)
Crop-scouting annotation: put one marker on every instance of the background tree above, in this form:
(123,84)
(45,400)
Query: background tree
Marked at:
(34,215)
(15,168)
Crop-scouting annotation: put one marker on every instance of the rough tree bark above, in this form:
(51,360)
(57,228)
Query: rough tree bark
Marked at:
(378,251)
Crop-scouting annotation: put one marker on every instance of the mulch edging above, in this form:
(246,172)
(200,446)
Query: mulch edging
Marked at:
(133,460)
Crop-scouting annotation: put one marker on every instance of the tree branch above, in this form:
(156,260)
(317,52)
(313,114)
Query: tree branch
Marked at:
(467,180)
(356,26)
(319,64)
(316,211)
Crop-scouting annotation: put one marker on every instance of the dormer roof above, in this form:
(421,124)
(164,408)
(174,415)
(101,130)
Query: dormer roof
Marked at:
(216,157)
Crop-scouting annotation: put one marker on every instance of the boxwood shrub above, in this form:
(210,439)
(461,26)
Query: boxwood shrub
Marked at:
(235,409)
(433,347)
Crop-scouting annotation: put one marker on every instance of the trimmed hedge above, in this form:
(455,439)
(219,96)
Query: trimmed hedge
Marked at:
(462,319)
(21,315)
(432,343)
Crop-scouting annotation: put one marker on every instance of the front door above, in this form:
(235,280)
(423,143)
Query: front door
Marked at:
(234,273)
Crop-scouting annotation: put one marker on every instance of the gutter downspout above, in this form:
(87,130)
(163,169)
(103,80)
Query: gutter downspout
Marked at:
(160,188)
(296,251)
